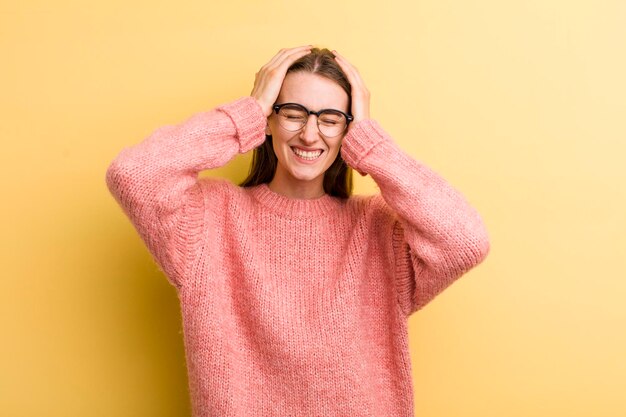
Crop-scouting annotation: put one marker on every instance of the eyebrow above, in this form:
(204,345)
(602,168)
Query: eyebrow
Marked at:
(323,108)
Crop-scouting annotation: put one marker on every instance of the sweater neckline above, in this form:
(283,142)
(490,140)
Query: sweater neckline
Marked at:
(294,207)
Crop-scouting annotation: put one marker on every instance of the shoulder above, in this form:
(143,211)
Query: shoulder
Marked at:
(373,204)
(212,185)
(372,207)
(225,193)
(220,190)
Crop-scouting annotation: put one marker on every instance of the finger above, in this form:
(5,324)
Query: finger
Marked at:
(269,70)
(345,64)
(360,93)
(276,58)
(277,72)
(289,57)
(286,51)
(354,77)
(269,79)
(349,70)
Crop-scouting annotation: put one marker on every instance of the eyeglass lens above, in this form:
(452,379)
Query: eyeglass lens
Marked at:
(330,123)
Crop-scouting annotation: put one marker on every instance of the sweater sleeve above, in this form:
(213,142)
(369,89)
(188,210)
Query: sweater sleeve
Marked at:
(156,181)
(436,235)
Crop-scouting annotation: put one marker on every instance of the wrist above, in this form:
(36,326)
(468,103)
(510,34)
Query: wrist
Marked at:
(265,108)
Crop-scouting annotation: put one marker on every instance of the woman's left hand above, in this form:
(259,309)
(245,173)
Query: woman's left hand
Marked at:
(360,94)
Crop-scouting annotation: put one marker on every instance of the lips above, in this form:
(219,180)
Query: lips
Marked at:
(307,155)
(307,149)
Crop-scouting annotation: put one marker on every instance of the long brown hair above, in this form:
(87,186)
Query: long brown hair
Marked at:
(338,177)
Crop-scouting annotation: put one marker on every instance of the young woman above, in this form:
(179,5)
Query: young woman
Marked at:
(295,294)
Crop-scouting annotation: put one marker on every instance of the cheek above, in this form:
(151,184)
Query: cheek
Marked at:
(281,150)
(336,147)
(276,145)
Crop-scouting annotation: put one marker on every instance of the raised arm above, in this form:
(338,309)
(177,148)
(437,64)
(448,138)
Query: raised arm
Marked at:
(436,234)
(156,181)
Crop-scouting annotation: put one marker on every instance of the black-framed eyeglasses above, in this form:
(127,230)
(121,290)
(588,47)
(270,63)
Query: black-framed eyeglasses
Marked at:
(330,122)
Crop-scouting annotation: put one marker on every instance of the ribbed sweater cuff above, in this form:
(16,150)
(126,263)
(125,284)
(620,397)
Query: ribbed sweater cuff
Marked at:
(360,140)
(249,122)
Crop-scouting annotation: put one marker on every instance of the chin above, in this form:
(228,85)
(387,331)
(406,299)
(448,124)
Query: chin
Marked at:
(306,176)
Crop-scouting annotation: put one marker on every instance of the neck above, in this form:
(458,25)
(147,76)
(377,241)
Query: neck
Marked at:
(298,189)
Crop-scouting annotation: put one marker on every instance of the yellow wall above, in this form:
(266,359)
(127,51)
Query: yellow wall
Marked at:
(518,103)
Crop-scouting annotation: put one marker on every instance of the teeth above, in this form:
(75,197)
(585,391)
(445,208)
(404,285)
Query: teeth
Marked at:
(307,155)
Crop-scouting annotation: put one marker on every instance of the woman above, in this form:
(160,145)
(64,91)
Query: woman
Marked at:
(294,294)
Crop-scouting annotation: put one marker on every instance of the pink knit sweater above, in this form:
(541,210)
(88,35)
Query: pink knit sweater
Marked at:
(294,307)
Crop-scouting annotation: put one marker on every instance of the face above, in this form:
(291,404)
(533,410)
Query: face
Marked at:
(315,93)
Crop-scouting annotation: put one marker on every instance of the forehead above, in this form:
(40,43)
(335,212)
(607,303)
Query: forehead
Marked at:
(313,91)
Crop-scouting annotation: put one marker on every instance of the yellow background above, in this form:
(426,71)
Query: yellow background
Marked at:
(520,104)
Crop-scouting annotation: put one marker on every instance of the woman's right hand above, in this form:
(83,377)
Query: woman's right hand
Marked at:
(269,79)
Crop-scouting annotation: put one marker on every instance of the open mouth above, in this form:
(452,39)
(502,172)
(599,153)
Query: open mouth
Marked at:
(308,156)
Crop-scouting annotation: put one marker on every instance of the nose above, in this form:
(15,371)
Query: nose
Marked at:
(309,132)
